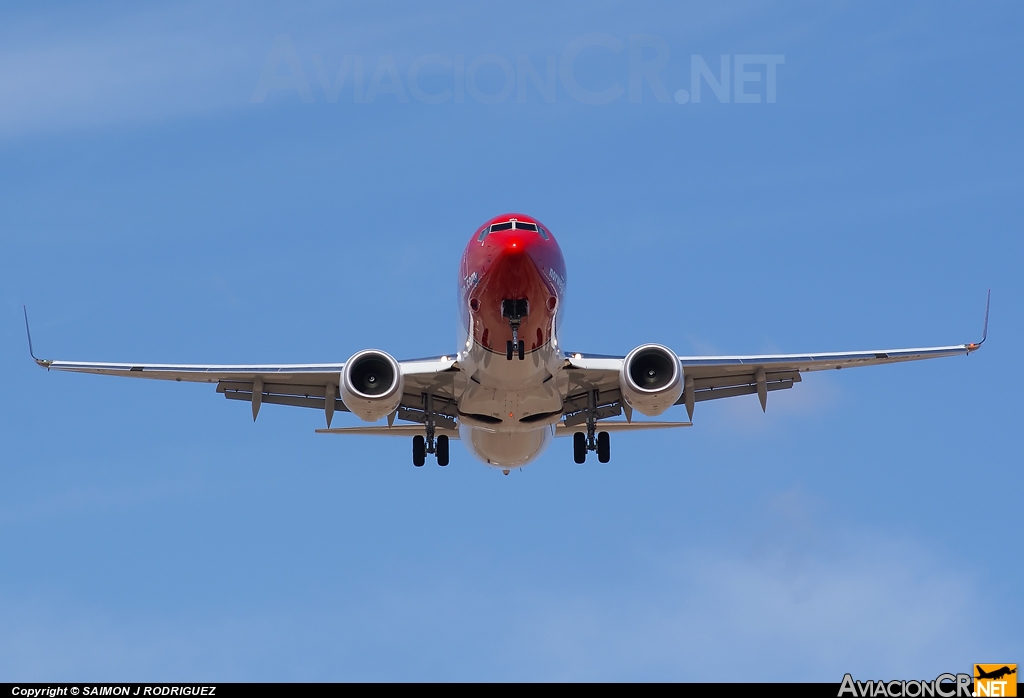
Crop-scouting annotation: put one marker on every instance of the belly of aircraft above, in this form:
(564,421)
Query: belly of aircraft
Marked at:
(505,449)
(510,427)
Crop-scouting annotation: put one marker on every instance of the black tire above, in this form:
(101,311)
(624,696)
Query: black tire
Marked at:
(442,450)
(604,447)
(508,350)
(522,349)
(579,447)
(419,450)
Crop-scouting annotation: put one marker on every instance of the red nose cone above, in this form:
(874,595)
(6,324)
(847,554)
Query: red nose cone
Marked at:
(514,242)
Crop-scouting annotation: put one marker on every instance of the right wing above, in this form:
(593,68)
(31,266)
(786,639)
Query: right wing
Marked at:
(299,385)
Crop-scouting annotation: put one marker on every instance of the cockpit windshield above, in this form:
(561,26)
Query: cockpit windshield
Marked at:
(513,225)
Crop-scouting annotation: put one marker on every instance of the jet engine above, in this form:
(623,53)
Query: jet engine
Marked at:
(371,384)
(651,379)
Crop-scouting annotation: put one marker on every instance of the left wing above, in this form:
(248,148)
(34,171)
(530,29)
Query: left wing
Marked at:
(715,377)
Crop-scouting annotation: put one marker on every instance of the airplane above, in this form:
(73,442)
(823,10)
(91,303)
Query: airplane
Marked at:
(510,387)
(996,674)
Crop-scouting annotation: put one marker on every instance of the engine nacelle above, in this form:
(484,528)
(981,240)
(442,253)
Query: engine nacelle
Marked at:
(651,379)
(371,384)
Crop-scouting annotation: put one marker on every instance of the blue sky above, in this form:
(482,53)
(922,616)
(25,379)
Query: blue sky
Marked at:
(152,210)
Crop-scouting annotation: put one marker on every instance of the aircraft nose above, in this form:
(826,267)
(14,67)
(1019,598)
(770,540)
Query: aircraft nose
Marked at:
(514,242)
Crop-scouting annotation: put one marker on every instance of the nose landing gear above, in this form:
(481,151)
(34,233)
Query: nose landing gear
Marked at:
(515,309)
(515,346)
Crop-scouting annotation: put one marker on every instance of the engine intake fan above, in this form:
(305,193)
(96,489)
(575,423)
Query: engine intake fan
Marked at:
(651,379)
(371,384)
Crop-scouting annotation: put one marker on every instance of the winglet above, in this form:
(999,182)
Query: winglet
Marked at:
(42,362)
(974,346)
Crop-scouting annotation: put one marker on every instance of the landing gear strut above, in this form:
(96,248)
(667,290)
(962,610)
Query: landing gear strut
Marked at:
(515,309)
(437,445)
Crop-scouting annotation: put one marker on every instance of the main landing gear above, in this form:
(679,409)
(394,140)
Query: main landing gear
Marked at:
(591,441)
(421,446)
(515,309)
(580,447)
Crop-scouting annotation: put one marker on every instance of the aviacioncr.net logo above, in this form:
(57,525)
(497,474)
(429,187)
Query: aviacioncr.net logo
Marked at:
(942,686)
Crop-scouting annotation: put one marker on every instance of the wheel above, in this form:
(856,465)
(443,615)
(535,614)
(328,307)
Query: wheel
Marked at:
(419,450)
(579,447)
(522,349)
(442,450)
(508,350)
(604,453)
